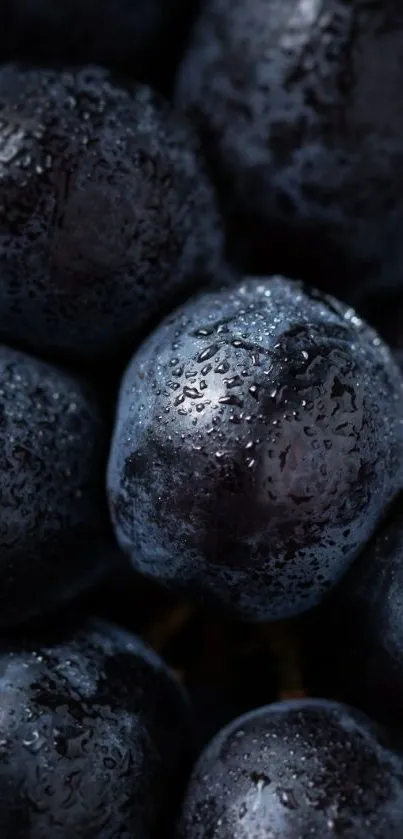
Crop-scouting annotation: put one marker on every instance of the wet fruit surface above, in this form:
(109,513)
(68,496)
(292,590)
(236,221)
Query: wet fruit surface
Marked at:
(296,770)
(106,215)
(93,733)
(363,625)
(55,537)
(262,410)
(299,106)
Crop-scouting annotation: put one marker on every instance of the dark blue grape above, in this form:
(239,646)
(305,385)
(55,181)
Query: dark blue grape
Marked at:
(363,624)
(55,537)
(299,106)
(106,216)
(296,770)
(258,440)
(94,732)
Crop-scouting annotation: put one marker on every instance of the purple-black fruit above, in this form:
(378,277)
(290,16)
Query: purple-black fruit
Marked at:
(55,536)
(94,732)
(106,215)
(363,624)
(258,441)
(296,770)
(299,106)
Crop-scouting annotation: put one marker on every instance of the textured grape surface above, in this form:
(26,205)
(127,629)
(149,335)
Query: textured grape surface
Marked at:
(363,624)
(106,215)
(55,537)
(93,733)
(257,443)
(299,105)
(296,770)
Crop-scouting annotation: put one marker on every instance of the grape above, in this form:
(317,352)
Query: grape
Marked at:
(364,626)
(258,440)
(106,215)
(299,107)
(294,770)
(55,536)
(94,734)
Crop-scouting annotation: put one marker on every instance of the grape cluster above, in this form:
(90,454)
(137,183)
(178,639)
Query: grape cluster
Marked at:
(201,419)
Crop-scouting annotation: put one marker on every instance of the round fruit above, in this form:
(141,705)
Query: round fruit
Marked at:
(294,770)
(93,735)
(106,216)
(55,537)
(299,106)
(363,624)
(258,440)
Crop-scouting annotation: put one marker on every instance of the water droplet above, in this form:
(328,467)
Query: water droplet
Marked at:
(223,367)
(231,399)
(234,381)
(191,392)
(204,332)
(288,800)
(34,743)
(178,370)
(207,353)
